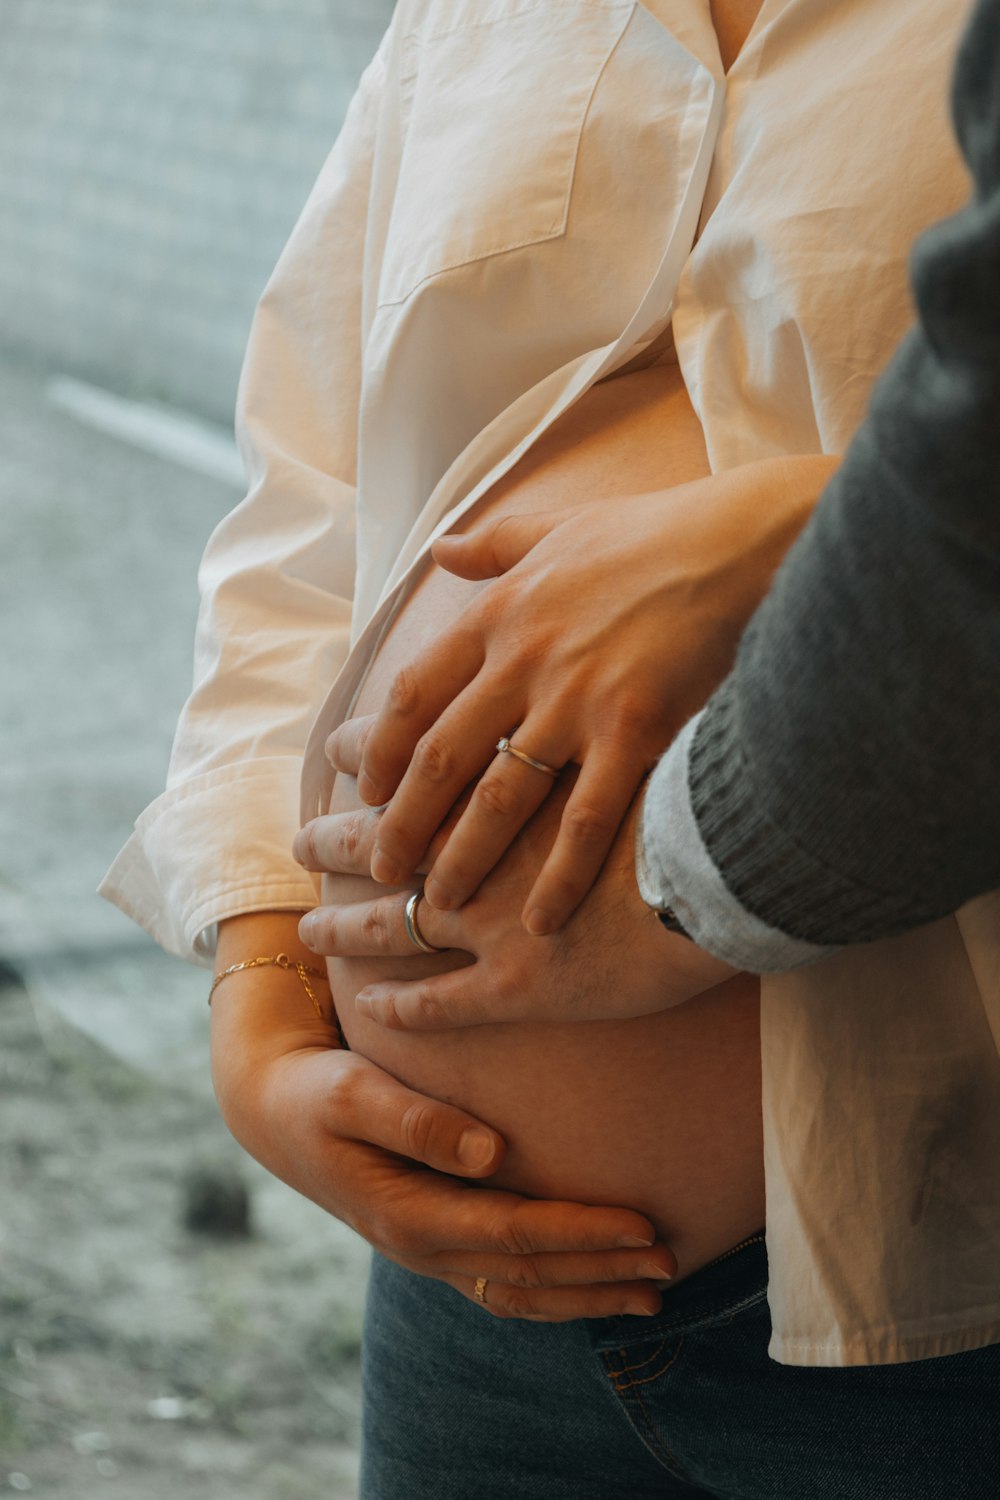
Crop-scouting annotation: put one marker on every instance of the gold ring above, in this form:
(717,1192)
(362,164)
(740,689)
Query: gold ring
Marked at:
(481,1282)
(413,932)
(505,747)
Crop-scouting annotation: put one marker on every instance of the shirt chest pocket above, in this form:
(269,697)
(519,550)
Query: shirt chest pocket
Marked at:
(495,97)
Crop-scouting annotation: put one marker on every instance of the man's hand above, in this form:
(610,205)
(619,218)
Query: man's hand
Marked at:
(606,629)
(612,960)
(388,1162)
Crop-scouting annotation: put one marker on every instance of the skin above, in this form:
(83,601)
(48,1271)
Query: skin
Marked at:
(624,1109)
(571,976)
(355,1134)
(589,672)
(389,1161)
(385,1158)
(732,20)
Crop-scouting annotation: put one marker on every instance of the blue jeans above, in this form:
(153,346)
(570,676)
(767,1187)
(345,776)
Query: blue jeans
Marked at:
(462,1406)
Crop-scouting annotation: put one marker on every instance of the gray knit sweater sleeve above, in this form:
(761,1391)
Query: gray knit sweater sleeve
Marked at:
(843,781)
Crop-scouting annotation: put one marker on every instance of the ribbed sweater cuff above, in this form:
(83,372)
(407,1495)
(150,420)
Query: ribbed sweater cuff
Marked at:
(675,870)
(770,875)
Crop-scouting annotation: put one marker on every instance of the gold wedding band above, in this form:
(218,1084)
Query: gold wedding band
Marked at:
(505,747)
(481,1282)
(413,932)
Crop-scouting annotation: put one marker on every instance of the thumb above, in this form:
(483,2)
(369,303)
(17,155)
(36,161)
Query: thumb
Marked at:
(494,548)
(380,1111)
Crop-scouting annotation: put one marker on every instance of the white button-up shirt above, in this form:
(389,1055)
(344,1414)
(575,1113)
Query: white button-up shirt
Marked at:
(524,194)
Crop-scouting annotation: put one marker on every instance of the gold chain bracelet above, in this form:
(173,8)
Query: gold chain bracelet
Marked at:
(280,961)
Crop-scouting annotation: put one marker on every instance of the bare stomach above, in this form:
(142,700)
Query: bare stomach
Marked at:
(663,1113)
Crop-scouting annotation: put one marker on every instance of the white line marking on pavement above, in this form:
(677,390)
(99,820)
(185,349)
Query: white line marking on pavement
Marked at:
(173,435)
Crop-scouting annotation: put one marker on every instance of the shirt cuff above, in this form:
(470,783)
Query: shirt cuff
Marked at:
(674,869)
(210,848)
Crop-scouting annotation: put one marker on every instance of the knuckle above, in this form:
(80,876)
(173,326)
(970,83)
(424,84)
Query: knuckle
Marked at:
(495,797)
(517,1304)
(433,758)
(588,825)
(333,937)
(347,1098)
(416,1130)
(375,929)
(393,1232)
(404,692)
(511,1238)
(349,839)
(533,644)
(412,1238)
(385,1233)
(526,1273)
(428,1008)
(627,718)
(492,608)
(386,1012)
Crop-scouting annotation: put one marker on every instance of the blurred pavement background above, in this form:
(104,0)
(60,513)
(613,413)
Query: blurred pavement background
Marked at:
(101,542)
(153,159)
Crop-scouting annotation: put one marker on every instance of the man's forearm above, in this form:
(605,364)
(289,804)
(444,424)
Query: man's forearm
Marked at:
(841,784)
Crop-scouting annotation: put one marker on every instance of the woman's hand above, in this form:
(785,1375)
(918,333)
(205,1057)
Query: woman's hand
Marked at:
(606,629)
(612,960)
(388,1161)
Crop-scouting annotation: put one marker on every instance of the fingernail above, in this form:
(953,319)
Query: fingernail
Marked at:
(654,1272)
(367,790)
(638,1309)
(633,1242)
(475,1147)
(385,870)
(437,895)
(539,923)
(363,1003)
(307,930)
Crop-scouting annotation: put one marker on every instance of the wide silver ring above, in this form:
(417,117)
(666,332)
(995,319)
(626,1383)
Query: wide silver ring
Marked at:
(505,747)
(413,932)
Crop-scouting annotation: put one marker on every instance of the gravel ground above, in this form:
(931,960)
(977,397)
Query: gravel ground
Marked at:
(138,1356)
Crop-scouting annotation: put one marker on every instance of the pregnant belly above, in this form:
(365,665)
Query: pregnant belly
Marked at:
(662,1113)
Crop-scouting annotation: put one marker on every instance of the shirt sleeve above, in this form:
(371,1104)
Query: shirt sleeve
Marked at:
(841,784)
(276,583)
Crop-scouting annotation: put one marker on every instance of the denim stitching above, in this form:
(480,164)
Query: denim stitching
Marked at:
(626,1369)
(649,1437)
(648,1379)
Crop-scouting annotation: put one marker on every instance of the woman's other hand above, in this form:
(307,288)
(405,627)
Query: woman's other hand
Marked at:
(605,629)
(389,1162)
(611,961)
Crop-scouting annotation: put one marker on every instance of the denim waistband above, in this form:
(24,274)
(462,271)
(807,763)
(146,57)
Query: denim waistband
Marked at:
(733,1282)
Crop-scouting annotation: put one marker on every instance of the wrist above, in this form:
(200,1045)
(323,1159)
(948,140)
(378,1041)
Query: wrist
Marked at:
(264,1010)
(257,932)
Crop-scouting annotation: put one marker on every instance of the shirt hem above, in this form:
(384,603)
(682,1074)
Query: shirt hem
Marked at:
(884,1348)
